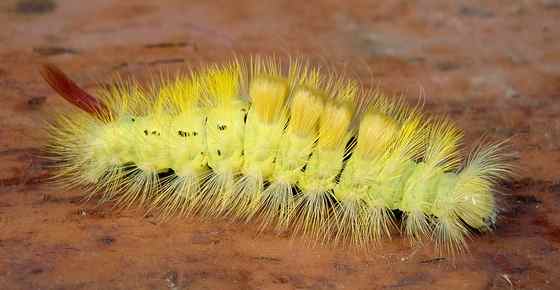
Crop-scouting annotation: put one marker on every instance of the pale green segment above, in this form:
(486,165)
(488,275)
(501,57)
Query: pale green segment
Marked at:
(321,171)
(225,132)
(387,187)
(110,145)
(420,189)
(154,144)
(261,144)
(292,156)
(355,180)
(477,206)
(445,200)
(377,183)
(188,146)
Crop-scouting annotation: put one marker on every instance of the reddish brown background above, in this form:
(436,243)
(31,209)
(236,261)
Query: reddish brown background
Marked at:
(494,68)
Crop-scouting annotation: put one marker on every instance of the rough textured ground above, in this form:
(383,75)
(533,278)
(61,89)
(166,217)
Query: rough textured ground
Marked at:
(494,68)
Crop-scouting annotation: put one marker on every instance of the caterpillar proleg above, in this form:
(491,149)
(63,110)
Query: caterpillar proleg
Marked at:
(290,146)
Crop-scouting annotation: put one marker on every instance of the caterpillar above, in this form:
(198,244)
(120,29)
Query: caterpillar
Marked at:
(287,146)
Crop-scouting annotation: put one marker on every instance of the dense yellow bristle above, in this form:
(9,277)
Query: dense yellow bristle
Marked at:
(444,141)
(182,93)
(306,108)
(268,95)
(376,131)
(222,84)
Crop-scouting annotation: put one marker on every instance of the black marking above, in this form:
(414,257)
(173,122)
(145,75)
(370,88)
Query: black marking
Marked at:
(166,174)
(132,119)
(194,133)
(222,127)
(146,132)
(219,152)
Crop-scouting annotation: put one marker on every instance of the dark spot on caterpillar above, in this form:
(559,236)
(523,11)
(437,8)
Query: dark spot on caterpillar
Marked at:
(182,133)
(266,183)
(222,127)
(166,174)
(146,132)
(132,119)
(154,132)
(296,190)
(219,152)
(194,133)
(35,6)
(349,148)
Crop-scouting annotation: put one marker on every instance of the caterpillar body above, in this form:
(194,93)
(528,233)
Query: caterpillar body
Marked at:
(288,146)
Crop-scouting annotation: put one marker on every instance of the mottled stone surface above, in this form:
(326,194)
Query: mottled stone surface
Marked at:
(493,66)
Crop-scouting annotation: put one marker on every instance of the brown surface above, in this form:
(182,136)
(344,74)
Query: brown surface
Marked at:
(494,68)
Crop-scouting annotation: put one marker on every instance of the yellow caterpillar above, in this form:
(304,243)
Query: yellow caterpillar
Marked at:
(289,146)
